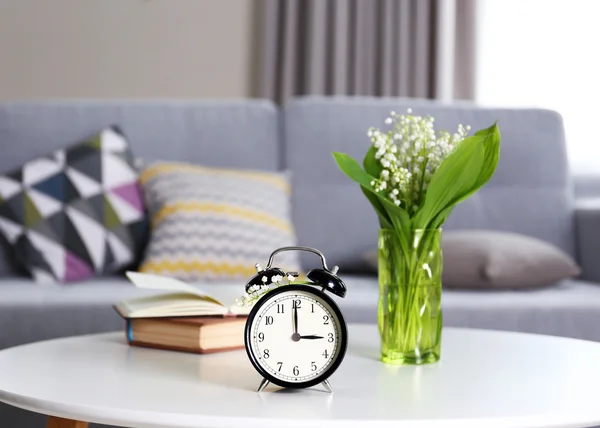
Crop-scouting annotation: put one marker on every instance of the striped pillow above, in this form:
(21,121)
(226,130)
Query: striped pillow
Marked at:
(213,224)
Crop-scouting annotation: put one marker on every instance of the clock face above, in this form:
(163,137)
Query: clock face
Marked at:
(296,336)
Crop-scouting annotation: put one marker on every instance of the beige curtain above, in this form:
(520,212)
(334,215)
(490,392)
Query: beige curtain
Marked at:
(412,48)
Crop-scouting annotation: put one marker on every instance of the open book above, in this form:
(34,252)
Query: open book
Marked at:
(180,300)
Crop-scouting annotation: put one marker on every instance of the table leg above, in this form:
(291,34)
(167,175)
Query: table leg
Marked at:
(54,422)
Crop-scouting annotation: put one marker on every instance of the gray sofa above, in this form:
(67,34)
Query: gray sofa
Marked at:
(531,193)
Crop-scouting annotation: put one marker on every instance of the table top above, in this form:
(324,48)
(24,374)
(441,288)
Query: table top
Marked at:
(485,379)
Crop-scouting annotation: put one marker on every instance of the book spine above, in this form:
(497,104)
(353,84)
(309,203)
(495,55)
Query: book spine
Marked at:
(129,331)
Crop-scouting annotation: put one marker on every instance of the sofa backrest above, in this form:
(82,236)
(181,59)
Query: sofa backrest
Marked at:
(529,194)
(239,134)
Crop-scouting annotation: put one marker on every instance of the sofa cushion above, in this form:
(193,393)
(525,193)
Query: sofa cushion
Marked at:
(529,194)
(77,212)
(29,313)
(570,308)
(215,223)
(242,134)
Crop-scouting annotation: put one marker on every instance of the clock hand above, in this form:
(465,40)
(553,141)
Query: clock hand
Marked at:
(295,335)
(312,336)
(295,318)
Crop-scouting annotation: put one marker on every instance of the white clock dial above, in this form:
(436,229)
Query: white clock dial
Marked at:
(295,336)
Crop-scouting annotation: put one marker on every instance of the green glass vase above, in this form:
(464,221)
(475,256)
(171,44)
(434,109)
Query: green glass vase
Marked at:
(410,297)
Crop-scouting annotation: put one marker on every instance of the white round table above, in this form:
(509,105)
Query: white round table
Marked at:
(485,379)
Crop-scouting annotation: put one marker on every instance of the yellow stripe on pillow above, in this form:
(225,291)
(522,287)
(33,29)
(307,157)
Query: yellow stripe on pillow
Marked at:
(197,267)
(220,209)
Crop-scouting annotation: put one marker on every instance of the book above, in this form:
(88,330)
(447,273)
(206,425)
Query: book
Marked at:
(180,300)
(200,335)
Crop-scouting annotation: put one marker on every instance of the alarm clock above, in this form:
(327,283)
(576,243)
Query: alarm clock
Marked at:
(296,336)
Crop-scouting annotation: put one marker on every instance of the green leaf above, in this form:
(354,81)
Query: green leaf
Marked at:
(401,222)
(373,167)
(491,147)
(440,219)
(478,154)
(384,220)
(395,215)
(371,164)
(352,169)
(456,176)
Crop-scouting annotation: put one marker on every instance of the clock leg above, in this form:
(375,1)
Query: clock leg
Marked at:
(263,384)
(54,422)
(327,386)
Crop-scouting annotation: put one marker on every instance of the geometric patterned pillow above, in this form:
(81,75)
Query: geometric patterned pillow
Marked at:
(76,213)
(214,224)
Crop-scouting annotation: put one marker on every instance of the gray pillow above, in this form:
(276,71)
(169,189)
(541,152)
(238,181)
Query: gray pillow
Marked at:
(482,259)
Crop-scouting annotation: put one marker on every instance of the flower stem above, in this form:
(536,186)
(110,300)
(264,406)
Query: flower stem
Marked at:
(410,301)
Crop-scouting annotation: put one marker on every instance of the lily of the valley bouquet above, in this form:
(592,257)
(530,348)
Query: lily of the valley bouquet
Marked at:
(414,177)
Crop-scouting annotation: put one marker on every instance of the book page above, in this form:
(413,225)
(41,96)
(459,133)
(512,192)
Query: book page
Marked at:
(172,304)
(172,285)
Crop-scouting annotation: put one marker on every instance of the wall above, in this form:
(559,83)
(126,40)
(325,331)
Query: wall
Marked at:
(125,48)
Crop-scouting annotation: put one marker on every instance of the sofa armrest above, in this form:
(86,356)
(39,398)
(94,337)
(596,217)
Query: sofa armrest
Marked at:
(587,235)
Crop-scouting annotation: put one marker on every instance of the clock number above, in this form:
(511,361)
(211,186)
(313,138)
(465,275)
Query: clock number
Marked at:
(325,319)
(266,354)
(330,339)
(280,308)
(261,336)
(280,364)
(312,308)
(269,320)
(325,354)
(296,304)
(296,371)
(313,366)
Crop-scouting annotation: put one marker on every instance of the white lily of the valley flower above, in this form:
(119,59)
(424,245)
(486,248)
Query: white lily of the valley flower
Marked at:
(252,295)
(410,154)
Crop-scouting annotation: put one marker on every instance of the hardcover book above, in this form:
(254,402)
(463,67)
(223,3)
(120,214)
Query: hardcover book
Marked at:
(190,334)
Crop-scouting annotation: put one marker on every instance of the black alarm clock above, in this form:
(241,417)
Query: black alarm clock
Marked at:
(296,336)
